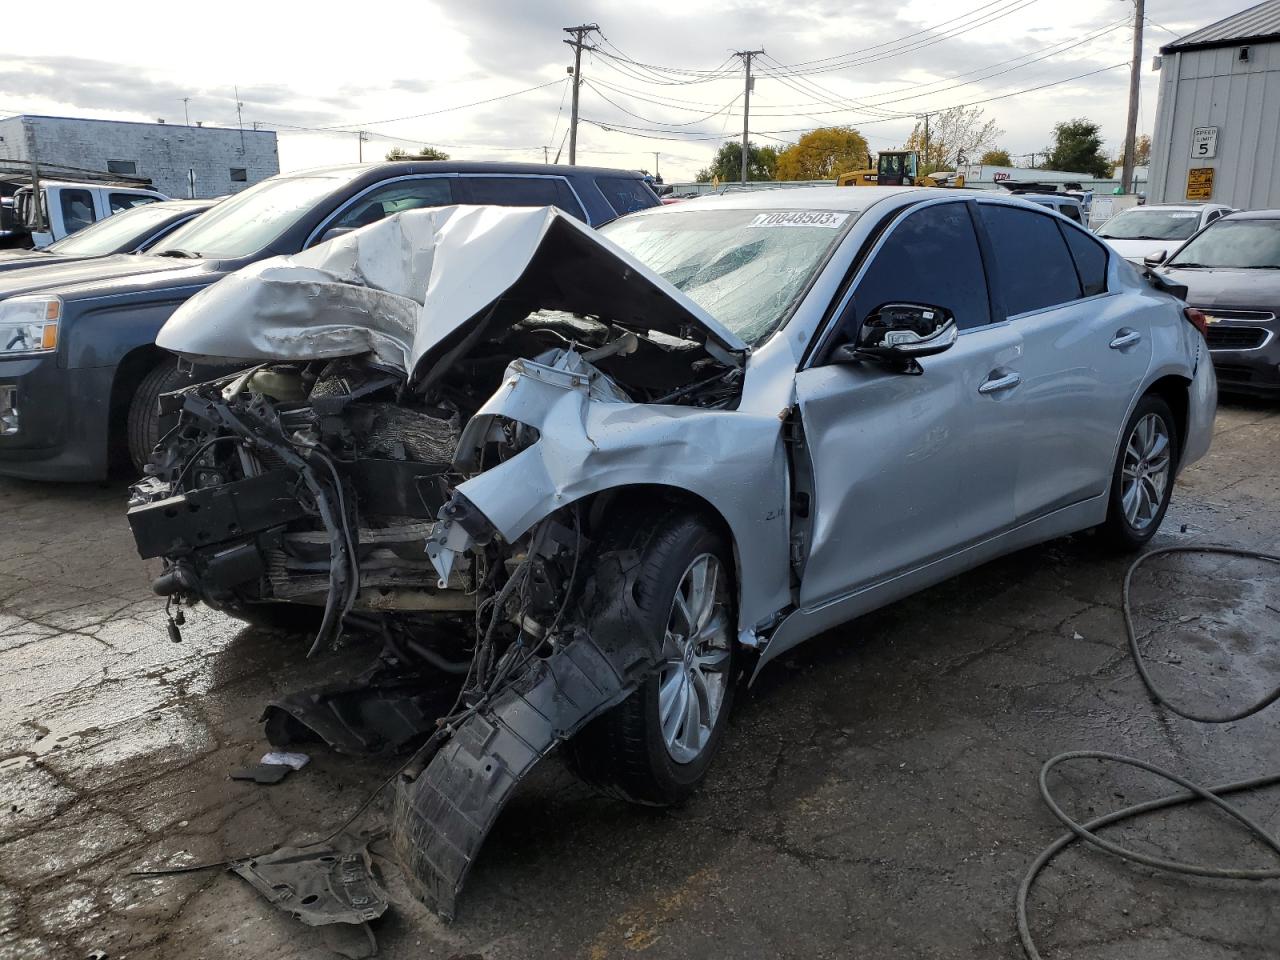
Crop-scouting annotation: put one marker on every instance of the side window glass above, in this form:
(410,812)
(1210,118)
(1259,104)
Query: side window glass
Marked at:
(395,198)
(931,257)
(1033,268)
(1090,259)
(513,191)
(568,202)
(626,194)
(127,201)
(77,209)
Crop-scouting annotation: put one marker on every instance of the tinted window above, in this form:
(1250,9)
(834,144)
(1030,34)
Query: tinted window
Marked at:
(396,197)
(77,209)
(1090,258)
(625,194)
(1070,211)
(930,258)
(1033,268)
(522,192)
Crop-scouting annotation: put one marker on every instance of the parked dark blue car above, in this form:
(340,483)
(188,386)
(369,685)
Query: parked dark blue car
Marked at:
(79,370)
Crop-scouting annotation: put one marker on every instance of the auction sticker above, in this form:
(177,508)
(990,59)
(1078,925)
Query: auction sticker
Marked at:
(800,218)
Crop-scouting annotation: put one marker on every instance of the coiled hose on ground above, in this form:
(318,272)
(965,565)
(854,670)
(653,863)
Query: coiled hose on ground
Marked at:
(1087,832)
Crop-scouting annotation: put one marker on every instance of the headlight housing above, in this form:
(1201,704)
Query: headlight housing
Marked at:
(29,325)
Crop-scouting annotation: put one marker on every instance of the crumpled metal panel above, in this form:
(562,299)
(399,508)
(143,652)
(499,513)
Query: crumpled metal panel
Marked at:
(325,883)
(732,459)
(416,283)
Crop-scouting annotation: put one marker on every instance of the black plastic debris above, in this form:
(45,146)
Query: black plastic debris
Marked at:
(321,884)
(262,772)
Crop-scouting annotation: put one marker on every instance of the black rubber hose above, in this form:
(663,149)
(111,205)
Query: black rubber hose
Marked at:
(1193,791)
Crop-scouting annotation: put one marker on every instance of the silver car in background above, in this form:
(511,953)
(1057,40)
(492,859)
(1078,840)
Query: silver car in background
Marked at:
(594,476)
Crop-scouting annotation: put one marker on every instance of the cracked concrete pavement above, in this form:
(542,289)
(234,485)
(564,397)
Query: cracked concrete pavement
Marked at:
(875,797)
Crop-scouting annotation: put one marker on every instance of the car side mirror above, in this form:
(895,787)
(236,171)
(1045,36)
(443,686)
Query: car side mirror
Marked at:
(897,334)
(1155,259)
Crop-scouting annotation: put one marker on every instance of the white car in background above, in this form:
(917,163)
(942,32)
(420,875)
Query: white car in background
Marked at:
(1140,232)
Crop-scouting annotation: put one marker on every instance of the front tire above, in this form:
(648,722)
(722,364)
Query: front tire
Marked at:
(656,746)
(144,427)
(1142,480)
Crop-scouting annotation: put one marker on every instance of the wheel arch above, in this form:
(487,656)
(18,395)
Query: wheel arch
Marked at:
(133,366)
(1175,390)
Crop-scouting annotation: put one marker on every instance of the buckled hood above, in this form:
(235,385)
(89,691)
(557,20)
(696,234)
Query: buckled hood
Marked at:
(421,287)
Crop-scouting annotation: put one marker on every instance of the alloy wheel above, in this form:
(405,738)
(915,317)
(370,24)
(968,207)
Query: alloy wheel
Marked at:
(1145,472)
(694,674)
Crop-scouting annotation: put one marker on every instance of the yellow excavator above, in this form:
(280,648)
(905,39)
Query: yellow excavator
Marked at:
(899,168)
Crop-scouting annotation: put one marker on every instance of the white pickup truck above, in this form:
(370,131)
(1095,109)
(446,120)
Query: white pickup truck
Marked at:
(67,207)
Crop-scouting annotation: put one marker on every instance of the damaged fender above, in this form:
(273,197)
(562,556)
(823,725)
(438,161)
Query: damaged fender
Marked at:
(730,459)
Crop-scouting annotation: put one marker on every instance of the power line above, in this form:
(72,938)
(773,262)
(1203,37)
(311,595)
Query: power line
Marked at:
(668,123)
(461,106)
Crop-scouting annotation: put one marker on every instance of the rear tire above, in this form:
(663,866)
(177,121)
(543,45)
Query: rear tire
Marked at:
(1142,479)
(144,427)
(630,751)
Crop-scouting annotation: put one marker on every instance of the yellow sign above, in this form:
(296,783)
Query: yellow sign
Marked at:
(1200,183)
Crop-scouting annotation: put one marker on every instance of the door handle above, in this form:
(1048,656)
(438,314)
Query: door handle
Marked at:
(996,384)
(1125,338)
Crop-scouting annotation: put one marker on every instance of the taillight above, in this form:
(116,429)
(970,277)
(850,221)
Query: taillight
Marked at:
(1198,319)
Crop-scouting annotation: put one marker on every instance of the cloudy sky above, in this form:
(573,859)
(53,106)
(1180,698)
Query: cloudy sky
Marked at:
(663,78)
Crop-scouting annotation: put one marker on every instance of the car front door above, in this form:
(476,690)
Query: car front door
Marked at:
(1084,354)
(907,468)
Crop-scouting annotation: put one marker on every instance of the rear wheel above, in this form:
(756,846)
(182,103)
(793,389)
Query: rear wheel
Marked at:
(657,745)
(144,427)
(1142,481)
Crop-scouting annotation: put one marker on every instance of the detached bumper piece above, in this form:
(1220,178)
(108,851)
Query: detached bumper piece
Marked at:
(320,884)
(441,818)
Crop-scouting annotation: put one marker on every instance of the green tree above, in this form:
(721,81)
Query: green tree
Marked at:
(1077,148)
(426,153)
(996,158)
(954,136)
(822,154)
(726,166)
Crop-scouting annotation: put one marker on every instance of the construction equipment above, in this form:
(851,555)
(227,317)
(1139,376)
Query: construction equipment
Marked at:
(899,168)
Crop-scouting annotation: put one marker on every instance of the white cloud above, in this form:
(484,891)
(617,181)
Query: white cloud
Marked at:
(335,65)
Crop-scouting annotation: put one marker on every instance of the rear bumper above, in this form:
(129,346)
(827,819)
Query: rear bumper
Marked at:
(56,427)
(1202,408)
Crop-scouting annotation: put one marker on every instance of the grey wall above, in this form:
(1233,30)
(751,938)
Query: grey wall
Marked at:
(1212,88)
(163,152)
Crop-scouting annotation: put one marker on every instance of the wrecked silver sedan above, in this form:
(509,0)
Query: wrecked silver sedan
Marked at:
(575,482)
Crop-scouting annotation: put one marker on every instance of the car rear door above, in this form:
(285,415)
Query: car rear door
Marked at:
(520,191)
(907,469)
(1084,354)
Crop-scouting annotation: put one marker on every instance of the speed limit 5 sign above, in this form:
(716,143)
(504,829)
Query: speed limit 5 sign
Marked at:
(1204,143)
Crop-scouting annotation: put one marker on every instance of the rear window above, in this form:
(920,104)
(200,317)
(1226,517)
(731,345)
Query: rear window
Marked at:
(1090,258)
(1034,269)
(626,194)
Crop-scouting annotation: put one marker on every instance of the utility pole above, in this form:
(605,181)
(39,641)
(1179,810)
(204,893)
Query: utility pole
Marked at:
(545,158)
(745,56)
(240,118)
(922,171)
(362,137)
(1131,124)
(35,217)
(185,114)
(579,36)
(657,174)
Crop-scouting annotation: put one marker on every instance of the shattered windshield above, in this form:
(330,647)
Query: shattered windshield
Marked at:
(744,267)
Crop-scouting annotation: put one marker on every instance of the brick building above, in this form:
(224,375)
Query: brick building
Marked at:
(180,160)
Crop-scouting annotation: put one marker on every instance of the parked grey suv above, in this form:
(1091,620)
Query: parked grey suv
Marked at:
(582,479)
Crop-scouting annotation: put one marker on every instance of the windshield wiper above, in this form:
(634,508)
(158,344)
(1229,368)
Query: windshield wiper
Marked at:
(1190,266)
(184,254)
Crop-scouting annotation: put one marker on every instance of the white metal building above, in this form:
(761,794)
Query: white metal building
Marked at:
(1217,133)
(180,160)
